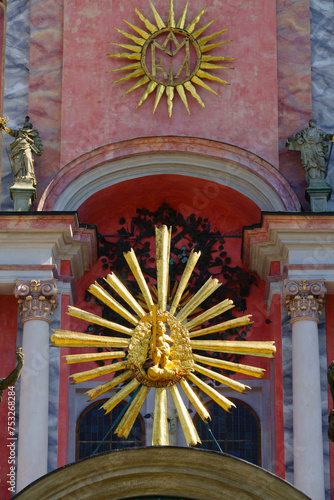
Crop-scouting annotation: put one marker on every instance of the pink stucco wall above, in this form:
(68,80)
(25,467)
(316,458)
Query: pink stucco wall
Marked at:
(94,113)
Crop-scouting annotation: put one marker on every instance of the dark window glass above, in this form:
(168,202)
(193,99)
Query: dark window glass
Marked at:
(238,432)
(93,425)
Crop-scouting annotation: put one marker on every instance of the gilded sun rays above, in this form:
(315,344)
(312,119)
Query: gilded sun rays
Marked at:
(170,56)
(156,349)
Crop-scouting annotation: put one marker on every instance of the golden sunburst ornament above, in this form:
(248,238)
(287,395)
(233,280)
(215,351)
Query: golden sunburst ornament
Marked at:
(171,56)
(159,351)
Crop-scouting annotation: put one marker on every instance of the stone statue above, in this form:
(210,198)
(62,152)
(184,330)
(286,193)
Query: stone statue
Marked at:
(27,141)
(14,376)
(311,142)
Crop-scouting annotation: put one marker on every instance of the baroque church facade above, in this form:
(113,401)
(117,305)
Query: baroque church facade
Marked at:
(168,119)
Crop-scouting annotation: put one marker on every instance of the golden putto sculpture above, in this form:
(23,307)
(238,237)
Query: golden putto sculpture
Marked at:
(169,57)
(159,351)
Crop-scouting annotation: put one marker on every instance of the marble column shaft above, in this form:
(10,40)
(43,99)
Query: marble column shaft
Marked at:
(304,300)
(36,301)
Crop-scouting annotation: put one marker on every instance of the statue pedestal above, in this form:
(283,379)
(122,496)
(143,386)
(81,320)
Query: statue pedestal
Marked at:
(23,193)
(318,193)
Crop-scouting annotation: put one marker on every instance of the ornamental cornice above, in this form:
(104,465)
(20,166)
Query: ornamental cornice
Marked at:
(304,299)
(36,299)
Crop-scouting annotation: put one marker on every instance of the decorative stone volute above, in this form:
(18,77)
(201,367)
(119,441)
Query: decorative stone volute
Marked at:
(36,299)
(304,299)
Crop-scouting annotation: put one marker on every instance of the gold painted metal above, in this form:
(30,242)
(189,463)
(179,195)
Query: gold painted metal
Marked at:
(162,238)
(158,47)
(187,425)
(191,26)
(65,338)
(101,389)
(101,294)
(160,424)
(128,67)
(194,400)
(133,264)
(120,395)
(182,19)
(214,311)
(170,355)
(159,352)
(125,425)
(215,395)
(200,82)
(97,320)
(98,372)
(192,261)
(147,23)
(154,46)
(140,83)
(237,386)
(84,358)
(203,293)
(232,323)
(3,121)
(118,286)
(263,349)
(228,365)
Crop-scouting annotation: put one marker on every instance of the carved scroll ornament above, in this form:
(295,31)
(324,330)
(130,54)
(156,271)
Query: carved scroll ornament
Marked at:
(304,299)
(36,299)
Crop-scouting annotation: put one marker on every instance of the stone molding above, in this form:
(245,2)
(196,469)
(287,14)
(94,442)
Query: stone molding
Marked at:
(161,471)
(304,299)
(190,156)
(299,241)
(43,239)
(36,299)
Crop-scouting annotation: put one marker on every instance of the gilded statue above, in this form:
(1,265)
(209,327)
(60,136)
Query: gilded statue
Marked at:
(312,144)
(14,375)
(159,347)
(160,354)
(27,141)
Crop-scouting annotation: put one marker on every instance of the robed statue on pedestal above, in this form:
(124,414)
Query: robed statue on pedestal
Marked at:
(27,141)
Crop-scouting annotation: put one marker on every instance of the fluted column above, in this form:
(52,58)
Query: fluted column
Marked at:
(304,301)
(36,300)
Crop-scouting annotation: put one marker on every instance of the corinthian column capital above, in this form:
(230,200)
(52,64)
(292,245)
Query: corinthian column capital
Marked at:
(36,299)
(304,299)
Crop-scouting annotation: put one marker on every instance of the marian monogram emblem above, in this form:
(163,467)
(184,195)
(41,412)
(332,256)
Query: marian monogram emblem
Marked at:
(169,57)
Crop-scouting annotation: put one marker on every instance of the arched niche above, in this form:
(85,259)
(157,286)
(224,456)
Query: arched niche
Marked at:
(161,471)
(225,164)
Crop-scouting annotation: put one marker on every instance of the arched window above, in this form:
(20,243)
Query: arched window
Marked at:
(93,425)
(238,432)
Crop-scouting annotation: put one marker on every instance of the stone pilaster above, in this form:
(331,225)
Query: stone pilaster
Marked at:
(36,301)
(304,299)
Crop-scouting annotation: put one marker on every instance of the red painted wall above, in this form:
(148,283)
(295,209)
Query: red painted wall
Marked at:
(8,322)
(94,112)
(330,358)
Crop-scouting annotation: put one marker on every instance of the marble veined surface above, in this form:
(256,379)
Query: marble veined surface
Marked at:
(288,396)
(16,84)
(322,52)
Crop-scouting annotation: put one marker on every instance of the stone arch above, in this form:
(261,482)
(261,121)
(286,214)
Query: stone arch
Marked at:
(211,160)
(161,471)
